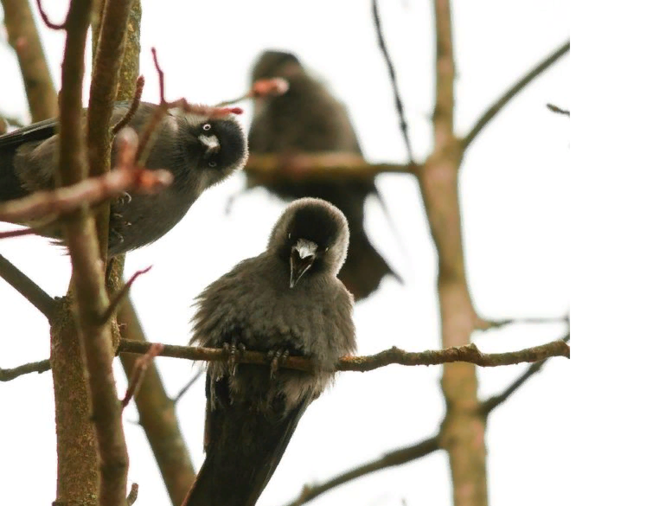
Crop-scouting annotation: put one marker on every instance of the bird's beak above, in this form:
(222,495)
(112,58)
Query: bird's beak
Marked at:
(303,255)
(211,142)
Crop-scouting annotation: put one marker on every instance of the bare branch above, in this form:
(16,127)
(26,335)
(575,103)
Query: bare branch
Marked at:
(495,108)
(558,110)
(24,37)
(488,405)
(394,84)
(323,166)
(112,307)
(132,496)
(64,200)
(139,89)
(10,374)
(47,21)
(495,324)
(389,459)
(27,288)
(468,353)
(262,88)
(139,370)
(187,386)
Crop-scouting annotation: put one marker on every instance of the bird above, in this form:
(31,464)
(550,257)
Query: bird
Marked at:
(199,152)
(308,119)
(286,301)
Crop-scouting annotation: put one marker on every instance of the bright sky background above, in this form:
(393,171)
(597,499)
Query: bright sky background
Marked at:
(514,190)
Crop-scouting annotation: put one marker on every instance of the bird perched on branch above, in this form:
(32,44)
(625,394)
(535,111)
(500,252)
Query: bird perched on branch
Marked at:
(287,300)
(198,151)
(309,119)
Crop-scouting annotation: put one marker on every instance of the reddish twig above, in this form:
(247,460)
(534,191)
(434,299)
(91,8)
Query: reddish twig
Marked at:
(47,21)
(146,139)
(132,496)
(140,368)
(17,233)
(262,88)
(139,88)
(114,303)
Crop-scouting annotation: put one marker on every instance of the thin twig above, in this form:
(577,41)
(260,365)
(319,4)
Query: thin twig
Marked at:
(47,21)
(558,110)
(389,459)
(495,108)
(132,496)
(140,368)
(468,353)
(394,84)
(488,405)
(54,203)
(187,386)
(114,303)
(27,288)
(139,89)
(262,88)
(495,324)
(10,374)
(17,233)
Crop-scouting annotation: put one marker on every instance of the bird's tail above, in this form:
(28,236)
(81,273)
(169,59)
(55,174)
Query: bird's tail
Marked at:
(364,267)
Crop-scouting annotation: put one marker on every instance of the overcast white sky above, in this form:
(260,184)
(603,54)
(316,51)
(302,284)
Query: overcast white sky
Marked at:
(514,190)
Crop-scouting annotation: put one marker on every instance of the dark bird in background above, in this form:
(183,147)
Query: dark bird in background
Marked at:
(287,300)
(198,151)
(309,119)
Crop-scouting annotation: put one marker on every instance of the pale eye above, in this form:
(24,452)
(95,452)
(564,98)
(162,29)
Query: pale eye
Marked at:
(289,235)
(206,127)
(212,164)
(327,249)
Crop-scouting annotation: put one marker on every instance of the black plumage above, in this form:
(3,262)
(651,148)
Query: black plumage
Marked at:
(309,119)
(198,151)
(286,300)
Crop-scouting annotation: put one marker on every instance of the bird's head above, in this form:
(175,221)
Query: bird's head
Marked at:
(216,146)
(310,237)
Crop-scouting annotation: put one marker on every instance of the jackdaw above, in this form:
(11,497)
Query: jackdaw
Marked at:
(198,151)
(309,119)
(287,300)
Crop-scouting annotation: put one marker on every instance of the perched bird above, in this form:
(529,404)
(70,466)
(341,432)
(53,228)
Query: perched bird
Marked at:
(309,119)
(287,300)
(198,151)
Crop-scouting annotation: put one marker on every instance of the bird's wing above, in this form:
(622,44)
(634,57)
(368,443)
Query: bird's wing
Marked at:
(35,132)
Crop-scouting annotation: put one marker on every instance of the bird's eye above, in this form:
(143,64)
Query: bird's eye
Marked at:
(289,235)
(206,127)
(212,164)
(327,249)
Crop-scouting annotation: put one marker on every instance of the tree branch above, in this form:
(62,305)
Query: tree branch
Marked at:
(488,405)
(389,459)
(24,38)
(495,108)
(139,89)
(121,295)
(47,21)
(87,277)
(27,288)
(558,110)
(394,84)
(10,374)
(141,366)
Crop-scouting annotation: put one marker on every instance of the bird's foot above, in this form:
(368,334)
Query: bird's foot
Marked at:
(277,358)
(125,198)
(235,350)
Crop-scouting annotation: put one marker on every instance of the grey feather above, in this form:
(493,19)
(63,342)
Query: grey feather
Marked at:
(251,416)
(28,158)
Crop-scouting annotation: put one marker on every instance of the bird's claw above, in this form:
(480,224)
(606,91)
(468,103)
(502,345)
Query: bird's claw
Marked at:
(125,198)
(234,349)
(277,358)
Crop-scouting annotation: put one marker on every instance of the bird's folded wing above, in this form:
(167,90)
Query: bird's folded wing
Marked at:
(35,132)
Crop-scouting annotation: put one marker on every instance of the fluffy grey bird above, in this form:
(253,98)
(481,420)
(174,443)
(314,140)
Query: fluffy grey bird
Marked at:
(309,119)
(287,300)
(198,151)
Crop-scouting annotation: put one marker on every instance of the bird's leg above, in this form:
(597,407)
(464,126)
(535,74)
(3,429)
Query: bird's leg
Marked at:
(277,357)
(235,350)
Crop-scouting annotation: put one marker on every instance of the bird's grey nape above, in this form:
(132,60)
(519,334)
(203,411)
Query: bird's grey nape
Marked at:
(311,228)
